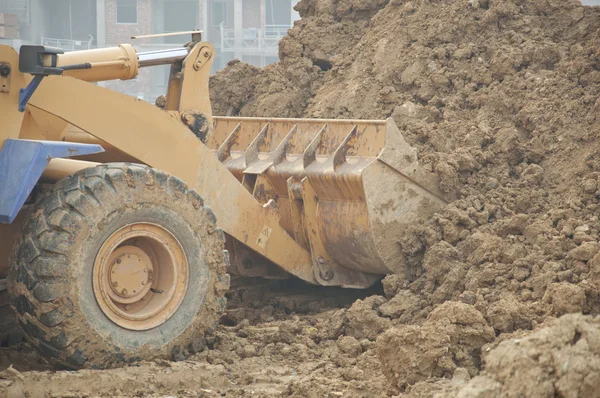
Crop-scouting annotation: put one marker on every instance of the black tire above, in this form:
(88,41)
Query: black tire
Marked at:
(10,334)
(50,281)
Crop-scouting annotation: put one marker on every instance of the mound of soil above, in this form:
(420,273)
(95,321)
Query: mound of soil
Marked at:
(559,361)
(327,30)
(501,100)
(233,94)
(451,338)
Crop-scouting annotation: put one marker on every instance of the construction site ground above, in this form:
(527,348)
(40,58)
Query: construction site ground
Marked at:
(501,98)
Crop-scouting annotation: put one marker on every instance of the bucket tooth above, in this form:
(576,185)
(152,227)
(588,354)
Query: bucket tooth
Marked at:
(253,150)
(281,151)
(339,157)
(224,152)
(310,154)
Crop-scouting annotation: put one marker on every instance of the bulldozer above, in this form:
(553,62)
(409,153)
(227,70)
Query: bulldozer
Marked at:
(122,221)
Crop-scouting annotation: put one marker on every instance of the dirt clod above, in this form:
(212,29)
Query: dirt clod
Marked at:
(564,361)
(363,320)
(451,338)
(565,298)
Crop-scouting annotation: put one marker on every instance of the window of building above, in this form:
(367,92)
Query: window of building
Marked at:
(127,11)
(278,13)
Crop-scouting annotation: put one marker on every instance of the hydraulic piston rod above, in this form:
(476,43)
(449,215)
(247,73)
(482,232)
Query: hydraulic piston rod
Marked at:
(161,57)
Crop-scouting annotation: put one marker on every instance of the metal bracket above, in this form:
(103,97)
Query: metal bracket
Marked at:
(246,262)
(26,93)
(321,260)
(32,60)
(5,73)
(22,162)
(203,56)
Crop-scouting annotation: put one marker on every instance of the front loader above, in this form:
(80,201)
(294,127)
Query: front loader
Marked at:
(121,221)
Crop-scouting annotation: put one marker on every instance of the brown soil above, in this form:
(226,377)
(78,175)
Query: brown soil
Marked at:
(276,339)
(500,98)
(564,361)
(450,339)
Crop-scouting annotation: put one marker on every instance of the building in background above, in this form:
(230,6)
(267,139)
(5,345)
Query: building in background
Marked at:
(249,30)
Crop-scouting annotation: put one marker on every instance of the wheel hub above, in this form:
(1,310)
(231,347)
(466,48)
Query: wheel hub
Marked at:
(130,274)
(140,276)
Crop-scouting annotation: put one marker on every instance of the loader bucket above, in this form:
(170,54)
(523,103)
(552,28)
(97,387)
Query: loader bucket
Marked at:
(346,190)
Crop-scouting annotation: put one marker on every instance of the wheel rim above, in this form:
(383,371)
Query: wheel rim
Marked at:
(140,276)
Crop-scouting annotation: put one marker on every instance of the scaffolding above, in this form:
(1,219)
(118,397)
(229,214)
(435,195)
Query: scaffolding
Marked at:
(253,41)
(66,44)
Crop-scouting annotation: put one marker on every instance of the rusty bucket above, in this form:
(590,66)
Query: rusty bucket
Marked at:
(345,190)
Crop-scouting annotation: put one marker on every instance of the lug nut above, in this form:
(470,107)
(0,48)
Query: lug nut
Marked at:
(4,70)
(327,275)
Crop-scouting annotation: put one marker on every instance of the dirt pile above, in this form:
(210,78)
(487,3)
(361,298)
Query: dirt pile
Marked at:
(451,338)
(560,361)
(501,99)
(327,32)
(237,94)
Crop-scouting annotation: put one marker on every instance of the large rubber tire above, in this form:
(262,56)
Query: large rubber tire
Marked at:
(51,274)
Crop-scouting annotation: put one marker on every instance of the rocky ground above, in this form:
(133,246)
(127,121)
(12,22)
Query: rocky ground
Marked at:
(501,100)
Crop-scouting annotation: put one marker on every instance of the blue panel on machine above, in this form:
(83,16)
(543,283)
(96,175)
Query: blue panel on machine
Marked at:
(22,162)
